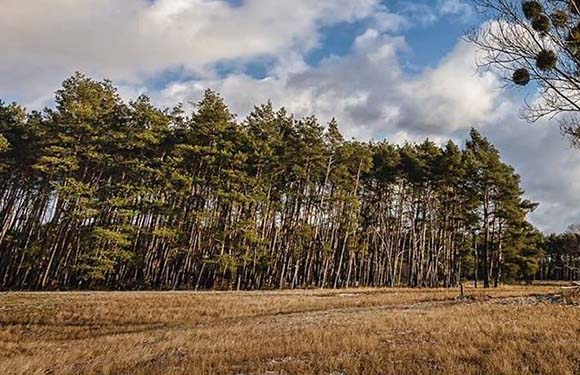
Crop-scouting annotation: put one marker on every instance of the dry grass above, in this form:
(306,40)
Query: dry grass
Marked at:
(512,330)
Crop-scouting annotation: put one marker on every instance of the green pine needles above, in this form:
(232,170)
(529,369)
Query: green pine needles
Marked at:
(99,193)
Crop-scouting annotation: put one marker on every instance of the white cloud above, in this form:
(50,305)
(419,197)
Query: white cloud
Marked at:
(389,22)
(422,14)
(130,40)
(367,91)
(452,95)
(456,8)
(425,13)
(550,169)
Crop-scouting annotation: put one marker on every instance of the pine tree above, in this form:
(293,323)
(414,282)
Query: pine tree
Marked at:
(99,193)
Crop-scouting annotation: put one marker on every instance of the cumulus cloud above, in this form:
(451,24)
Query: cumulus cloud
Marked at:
(367,90)
(549,168)
(452,95)
(132,39)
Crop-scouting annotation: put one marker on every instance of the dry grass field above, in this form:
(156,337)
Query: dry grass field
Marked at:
(511,330)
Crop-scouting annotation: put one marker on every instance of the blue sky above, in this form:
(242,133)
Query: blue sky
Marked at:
(429,40)
(430,36)
(395,69)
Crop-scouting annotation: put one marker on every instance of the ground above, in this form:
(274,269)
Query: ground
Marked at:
(510,330)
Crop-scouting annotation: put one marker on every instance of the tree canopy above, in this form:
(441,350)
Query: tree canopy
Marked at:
(100,193)
(561,260)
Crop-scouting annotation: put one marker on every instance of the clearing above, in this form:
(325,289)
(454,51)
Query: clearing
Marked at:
(509,330)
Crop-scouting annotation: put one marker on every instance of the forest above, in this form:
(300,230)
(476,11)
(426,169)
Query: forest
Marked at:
(98,193)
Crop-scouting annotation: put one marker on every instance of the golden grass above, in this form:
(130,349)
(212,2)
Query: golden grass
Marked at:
(358,331)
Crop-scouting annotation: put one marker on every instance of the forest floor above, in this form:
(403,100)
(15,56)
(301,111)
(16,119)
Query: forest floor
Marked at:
(509,330)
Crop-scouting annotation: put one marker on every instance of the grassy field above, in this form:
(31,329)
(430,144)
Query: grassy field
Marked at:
(511,330)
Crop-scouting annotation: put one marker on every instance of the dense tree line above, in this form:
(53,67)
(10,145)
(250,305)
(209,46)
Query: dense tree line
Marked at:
(99,193)
(561,256)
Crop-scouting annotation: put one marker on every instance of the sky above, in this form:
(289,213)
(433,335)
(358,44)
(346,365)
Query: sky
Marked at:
(394,69)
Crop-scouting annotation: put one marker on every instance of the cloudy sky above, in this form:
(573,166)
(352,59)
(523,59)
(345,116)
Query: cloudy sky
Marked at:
(395,69)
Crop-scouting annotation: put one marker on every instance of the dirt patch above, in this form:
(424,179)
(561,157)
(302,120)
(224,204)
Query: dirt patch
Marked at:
(564,298)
